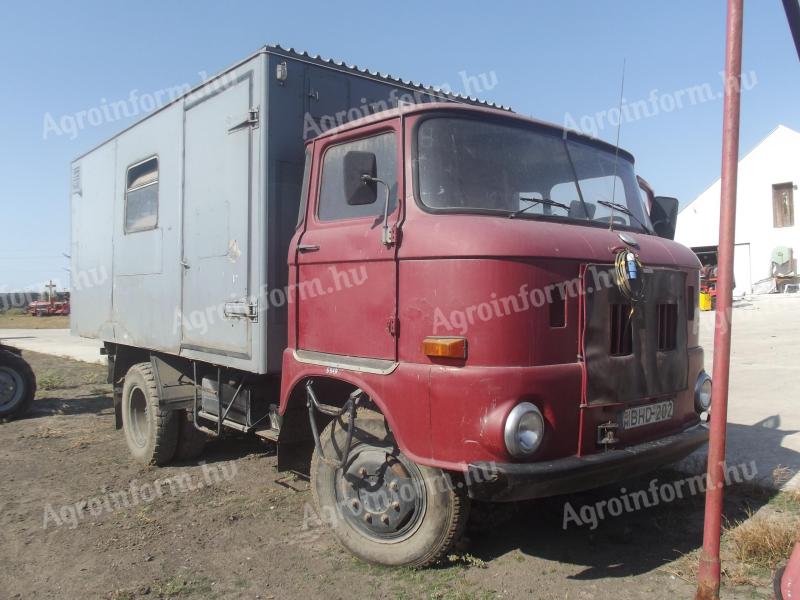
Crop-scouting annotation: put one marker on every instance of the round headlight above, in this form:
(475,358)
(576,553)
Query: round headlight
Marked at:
(524,430)
(702,393)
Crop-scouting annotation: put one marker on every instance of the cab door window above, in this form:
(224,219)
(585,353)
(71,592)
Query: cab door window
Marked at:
(333,204)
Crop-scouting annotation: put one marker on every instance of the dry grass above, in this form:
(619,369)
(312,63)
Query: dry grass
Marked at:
(753,547)
(9,320)
(764,541)
(45,433)
(93,377)
(50,380)
(781,475)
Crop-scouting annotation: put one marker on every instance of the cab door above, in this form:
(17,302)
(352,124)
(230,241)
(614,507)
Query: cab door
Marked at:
(346,288)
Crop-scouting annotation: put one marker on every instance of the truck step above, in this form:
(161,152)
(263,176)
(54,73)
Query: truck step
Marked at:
(226,423)
(267,434)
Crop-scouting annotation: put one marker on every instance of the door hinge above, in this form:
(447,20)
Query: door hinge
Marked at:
(391,236)
(242,310)
(393,326)
(249,119)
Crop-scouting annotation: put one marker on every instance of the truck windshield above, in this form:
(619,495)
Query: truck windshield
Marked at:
(467,165)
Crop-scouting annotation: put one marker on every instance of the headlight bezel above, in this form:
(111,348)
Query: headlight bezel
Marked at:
(511,430)
(702,399)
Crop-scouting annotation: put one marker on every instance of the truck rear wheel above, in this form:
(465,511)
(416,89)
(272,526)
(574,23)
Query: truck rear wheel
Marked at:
(150,431)
(17,385)
(382,507)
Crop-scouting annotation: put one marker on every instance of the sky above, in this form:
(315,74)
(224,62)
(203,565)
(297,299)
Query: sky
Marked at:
(556,61)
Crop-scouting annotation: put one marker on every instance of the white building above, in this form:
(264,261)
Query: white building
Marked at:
(766,215)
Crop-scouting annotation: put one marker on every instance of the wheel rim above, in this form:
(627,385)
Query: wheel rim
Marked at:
(138,417)
(12,388)
(381,494)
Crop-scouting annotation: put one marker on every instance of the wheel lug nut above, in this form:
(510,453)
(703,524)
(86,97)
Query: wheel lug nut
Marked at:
(368,518)
(354,504)
(393,486)
(396,505)
(385,519)
(362,472)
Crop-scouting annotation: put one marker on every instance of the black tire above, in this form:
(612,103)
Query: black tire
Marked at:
(191,442)
(408,514)
(17,385)
(150,431)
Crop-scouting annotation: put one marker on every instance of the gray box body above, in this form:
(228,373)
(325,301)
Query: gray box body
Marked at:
(230,162)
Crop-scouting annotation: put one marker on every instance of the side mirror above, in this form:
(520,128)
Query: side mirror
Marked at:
(357,190)
(664,216)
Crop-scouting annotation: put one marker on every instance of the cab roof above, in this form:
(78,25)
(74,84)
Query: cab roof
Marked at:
(451,108)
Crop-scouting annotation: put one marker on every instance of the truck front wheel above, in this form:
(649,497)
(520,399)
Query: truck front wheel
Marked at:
(150,431)
(382,507)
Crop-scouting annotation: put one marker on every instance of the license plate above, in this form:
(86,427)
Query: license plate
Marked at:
(639,416)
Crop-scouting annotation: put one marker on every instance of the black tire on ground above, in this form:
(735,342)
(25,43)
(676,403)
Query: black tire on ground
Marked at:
(191,442)
(17,385)
(382,507)
(150,431)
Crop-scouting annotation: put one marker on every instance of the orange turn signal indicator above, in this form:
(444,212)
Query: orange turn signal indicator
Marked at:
(445,347)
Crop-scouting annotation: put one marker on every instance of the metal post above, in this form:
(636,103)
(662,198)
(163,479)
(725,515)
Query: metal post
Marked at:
(792,9)
(708,579)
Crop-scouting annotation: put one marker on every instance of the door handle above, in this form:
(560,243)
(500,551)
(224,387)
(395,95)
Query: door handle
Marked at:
(307,247)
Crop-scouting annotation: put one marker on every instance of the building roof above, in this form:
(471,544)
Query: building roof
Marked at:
(765,139)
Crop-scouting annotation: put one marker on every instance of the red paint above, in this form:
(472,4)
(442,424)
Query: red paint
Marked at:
(789,585)
(446,276)
(708,578)
(349,284)
(46,308)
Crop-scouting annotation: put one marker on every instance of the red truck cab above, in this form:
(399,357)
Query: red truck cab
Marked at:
(481,308)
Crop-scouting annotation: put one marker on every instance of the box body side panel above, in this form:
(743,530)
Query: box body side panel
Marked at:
(92,212)
(146,279)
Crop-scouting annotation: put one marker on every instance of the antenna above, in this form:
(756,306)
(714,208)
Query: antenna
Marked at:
(616,150)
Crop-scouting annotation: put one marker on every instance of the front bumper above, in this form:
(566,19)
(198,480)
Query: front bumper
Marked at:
(508,482)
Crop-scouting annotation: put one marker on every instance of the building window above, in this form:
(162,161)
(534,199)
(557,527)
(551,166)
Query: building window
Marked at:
(332,201)
(141,196)
(783,204)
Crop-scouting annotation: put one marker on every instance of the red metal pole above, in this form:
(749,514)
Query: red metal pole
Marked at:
(787,585)
(708,578)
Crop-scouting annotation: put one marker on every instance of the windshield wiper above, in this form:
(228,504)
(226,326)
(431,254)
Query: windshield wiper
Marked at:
(534,202)
(623,209)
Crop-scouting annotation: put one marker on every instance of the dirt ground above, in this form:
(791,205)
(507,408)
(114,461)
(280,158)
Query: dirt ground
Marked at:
(24,321)
(79,520)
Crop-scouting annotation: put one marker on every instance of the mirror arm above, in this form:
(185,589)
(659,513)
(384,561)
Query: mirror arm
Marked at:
(386,234)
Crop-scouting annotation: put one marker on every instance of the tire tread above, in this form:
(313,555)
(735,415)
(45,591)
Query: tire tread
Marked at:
(166,425)
(16,362)
(458,500)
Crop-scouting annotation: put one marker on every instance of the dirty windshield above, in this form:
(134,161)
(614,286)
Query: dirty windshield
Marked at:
(467,165)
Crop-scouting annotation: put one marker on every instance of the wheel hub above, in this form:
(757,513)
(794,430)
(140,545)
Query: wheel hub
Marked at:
(380,494)
(11,387)
(140,423)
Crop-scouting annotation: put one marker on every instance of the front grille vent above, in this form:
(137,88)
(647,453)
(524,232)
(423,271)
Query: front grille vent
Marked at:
(621,330)
(667,327)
